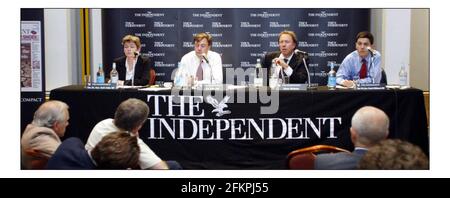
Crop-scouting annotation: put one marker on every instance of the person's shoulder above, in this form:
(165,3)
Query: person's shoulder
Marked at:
(106,123)
(351,55)
(72,141)
(327,156)
(377,54)
(354,53)
(187,55)
(32,129)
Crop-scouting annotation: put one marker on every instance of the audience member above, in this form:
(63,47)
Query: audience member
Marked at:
(130,115)
(117,150)
(42,137)
(394,154)
(369,126)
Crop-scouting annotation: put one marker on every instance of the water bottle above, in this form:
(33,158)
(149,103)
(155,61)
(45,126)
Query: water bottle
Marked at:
(258,80)
(403,76)
(100,74)
(273,78)
(331,77)
(114,74)
(179,79)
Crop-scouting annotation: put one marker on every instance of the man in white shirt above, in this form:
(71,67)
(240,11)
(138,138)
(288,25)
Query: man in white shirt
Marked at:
(130,115)
(202,63)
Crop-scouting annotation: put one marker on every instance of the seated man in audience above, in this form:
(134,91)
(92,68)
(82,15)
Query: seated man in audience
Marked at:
(394,154)
(362,65)
(130,115)
(117,150)
(42,137)
(369,126)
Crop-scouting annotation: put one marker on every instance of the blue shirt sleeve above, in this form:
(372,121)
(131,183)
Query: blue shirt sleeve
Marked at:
(344,71)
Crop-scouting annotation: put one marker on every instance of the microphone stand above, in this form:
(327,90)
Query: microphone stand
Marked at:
(372,58)
(210,69)
(135,56)
(306,67)
(307,72)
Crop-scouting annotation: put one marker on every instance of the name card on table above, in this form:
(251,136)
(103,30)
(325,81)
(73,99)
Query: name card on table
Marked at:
(101,86)
(297,87)
(371,86)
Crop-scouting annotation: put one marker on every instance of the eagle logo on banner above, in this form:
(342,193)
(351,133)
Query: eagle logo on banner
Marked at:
(218,107)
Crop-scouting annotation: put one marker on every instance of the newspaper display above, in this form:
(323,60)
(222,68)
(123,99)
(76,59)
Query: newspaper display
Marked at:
(30,56)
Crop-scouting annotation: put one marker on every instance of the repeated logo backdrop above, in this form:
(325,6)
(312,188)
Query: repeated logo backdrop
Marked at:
(240,35)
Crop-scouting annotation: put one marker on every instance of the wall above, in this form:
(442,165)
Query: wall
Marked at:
(402,36)
(96,40)
(420,52)
(396,42)
(57,48)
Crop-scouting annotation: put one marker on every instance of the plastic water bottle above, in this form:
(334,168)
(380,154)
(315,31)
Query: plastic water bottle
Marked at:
(403,76)
(273,79)
(179,79)
(100,74)
(258,80)
(114,74)
(331,77)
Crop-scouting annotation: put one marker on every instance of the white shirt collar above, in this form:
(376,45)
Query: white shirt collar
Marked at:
(289,58)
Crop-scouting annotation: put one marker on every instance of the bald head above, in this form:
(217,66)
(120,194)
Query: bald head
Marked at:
(371,125)
(53,114)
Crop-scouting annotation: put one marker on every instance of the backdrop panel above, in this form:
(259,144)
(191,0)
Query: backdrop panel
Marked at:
(240,35)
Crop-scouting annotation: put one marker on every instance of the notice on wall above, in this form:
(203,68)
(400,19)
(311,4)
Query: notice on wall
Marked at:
(30,56)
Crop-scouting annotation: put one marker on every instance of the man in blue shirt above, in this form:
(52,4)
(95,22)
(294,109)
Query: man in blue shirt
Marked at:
(362,65)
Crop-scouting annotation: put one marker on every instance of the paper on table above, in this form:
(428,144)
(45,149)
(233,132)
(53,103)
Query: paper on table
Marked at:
(129,87)
(393,86)
(155,89)
(236,87)
(342,87)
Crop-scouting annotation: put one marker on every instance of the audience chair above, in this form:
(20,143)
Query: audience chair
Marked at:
(38,161)
(304,158)
(383,77)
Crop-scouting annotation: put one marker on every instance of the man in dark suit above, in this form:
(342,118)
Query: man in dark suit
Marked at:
(117,150)
(370,125)
(133,68)
(289,60)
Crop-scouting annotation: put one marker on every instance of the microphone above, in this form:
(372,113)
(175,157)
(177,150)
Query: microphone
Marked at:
(372,51)
(204,57)
(135,54)
(297,51)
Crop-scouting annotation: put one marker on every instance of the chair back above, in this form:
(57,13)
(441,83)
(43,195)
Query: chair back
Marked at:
(152,79)
(35,159)
(383,77)
(304,158)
